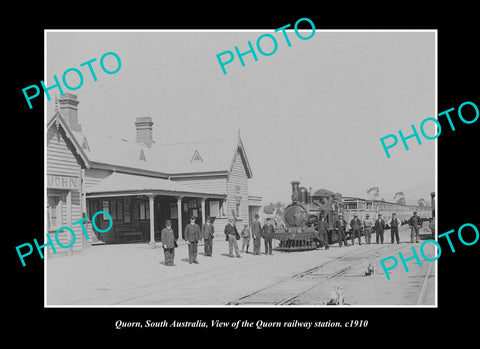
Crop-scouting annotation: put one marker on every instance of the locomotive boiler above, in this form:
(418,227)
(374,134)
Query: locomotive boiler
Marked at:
(300,218)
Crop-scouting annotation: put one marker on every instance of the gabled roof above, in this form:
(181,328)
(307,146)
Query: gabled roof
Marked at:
(243,155)
(169,159)
(58,121)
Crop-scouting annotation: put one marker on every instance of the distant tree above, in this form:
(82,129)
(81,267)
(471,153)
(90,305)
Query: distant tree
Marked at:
(279,207)
(399,198)
(421,202)
(269,209)
(373,193)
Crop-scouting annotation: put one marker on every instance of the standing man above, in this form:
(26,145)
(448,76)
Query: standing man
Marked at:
(415,222)
(192,236)
(257,234)
(340,225)
(207,234)
(432,227)
(379,228)
(268,231)
(323,231)
(246,235)
(168,243)
(394,223)
(356,226)
(231,235)
(367,228)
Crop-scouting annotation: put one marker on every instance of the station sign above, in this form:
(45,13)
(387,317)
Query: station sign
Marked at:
(63,182)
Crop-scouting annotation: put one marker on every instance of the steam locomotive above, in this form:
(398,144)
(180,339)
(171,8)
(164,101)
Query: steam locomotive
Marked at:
(301,219)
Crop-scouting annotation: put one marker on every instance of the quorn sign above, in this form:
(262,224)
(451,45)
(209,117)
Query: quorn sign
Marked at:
(63,182)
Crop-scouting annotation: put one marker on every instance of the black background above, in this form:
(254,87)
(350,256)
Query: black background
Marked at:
(457,173)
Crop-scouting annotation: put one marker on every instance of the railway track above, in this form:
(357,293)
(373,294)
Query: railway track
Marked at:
(285,291)
(306,287)
(289,290)
(426,283)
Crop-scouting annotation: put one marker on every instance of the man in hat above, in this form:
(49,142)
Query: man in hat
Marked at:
(207,233)
(379,228)
(267,233)
(256,234)
(340,226)
(168,243)
(192,236)
(246,235)
(231,236)
(356,226)
(415,223)
(323,231)
(394,223)
(368,224)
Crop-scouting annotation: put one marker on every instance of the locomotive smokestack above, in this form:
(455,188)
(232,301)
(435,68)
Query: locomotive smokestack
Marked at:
(295,185)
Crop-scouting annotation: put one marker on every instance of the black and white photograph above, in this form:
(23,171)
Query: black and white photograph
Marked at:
(260,182)
(295,174)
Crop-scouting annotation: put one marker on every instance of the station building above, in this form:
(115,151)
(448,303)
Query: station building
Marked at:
(140,183)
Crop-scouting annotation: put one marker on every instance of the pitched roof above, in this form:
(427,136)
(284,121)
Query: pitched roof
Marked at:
(129,183)
(184,158)
(116,152)
(58,121)
(175,159)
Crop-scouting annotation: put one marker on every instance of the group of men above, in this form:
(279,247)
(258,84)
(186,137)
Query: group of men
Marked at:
(192,234)
(257,233)
(368,225)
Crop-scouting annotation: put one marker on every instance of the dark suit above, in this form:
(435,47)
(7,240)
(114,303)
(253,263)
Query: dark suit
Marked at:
(323,232)
(257,234)
(168,241)
(394,223)
(415,222)
(356,225)
(341,225)
(231,235)
(207,234)
(379,228)
(267,233)
(192,235)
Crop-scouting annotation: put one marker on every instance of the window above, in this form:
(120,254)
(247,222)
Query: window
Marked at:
(116,210)
(54,212)
(196,157)
(237,209)
(223,209)
(173,211)
(142,156)
(113,210)
(120,210)
(214,208)
(144,210)
(105,207)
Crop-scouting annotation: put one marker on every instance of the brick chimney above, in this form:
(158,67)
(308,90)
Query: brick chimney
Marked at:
(68,107)
(144,130)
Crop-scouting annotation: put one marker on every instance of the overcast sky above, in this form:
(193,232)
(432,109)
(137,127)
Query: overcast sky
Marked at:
(312,112)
